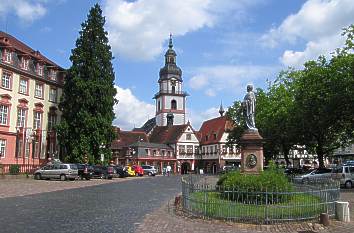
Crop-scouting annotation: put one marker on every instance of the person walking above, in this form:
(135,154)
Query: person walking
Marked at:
(168,169)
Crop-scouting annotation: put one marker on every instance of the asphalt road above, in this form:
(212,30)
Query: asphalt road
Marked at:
(115,207)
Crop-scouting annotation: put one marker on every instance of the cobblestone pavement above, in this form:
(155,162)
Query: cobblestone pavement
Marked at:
(164,220)
(111,207)
(24,186)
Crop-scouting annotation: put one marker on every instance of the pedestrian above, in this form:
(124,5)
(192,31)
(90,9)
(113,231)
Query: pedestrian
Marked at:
(168,169)
(164,171)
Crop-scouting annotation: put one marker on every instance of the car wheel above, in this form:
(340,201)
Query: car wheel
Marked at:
(62,177)
(348,184)
(102,176)
(38,176)
(87,178)
(149,174)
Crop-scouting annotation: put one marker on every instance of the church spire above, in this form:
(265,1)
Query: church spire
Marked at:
(221,110)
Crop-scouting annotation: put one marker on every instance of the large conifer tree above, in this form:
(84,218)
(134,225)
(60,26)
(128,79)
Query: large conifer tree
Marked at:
(88,94)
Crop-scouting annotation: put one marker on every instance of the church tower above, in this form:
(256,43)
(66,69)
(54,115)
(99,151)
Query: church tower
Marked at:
(171,99)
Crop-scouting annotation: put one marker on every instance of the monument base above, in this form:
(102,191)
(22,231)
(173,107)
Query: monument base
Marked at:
(251,152)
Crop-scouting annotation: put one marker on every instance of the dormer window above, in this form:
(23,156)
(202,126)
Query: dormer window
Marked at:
(40,69)
(7,56)
(25,63)
(53,75)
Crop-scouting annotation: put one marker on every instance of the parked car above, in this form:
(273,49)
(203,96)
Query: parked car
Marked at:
(62,171)
(85,171)
(130,170)
(138,170)
(119,172)
(315,174)
(292,171)
(345,174)
(149,170)
(103,172)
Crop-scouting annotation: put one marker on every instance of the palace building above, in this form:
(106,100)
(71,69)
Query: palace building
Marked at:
(30,88)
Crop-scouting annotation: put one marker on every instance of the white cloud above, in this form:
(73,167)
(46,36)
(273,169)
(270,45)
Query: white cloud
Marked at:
(318,23)
(130,111)
(198,117)
(25,10)
(228,77)
(138,29)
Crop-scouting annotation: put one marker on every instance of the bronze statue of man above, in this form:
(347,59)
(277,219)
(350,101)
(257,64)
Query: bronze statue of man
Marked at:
(249,107)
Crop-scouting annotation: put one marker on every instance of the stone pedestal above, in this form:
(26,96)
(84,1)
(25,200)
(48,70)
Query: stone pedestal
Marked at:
(251,152)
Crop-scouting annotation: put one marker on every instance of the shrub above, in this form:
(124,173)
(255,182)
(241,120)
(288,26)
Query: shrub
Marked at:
(14,169)
(267,187)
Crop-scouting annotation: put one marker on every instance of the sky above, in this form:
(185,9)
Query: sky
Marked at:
(221,45)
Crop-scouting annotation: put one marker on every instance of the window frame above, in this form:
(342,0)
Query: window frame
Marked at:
(40,69)
(9,81)
(35,119)
(27,86)
(173,104)
(35,90)
(23,118)
(51,123)
(50,94)
(25,63)
(7,57)
(3,143)
(4,116)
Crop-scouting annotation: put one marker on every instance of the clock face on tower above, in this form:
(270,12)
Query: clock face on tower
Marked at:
(251,161)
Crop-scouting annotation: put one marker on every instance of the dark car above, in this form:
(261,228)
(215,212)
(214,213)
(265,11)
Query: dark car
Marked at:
(292,171)
(85,171)
(120,172)
(103,172)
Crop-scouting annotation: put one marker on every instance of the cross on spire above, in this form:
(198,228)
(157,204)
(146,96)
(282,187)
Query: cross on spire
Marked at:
(170,45)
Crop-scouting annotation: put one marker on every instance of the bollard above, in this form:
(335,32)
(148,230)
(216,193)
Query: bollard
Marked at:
(324,219)
(342,211)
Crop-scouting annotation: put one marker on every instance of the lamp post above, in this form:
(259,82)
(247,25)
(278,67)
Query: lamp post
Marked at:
(102,147)
(30,138)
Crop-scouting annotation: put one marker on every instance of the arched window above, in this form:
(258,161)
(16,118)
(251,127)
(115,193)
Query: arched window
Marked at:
(173,89)
(173,104)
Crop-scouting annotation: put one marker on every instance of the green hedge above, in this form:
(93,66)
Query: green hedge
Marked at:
(14,169)
(251,188)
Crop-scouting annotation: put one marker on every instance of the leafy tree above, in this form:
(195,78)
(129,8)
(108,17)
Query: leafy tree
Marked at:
(325,104)
(88,94)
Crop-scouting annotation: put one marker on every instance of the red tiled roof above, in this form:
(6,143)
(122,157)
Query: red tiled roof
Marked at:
(14,43)
(167,134)
(212,130)
(125,138)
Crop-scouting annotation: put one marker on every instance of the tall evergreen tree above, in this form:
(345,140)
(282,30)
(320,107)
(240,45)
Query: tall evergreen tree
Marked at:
(88,94)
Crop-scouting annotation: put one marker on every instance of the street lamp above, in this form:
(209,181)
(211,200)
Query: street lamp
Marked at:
(30,138)
(102,147)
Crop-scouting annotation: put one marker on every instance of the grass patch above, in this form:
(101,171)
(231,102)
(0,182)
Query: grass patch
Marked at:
(298,206)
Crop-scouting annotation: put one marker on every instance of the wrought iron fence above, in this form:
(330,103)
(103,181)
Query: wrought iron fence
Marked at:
(201,197)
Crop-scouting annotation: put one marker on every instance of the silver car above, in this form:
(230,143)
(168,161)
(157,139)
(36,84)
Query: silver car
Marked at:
(149,170)
(345,174)
(321,173)
(61,171)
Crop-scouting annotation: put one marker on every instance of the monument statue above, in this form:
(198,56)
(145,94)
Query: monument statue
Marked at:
(249,107)
(251,141)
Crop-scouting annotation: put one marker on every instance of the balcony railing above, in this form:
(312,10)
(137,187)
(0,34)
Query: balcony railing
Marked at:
(184,93)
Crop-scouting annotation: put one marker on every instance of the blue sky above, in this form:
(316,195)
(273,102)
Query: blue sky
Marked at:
(222,45)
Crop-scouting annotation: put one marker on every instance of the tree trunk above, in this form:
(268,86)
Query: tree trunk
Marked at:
(320,156)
